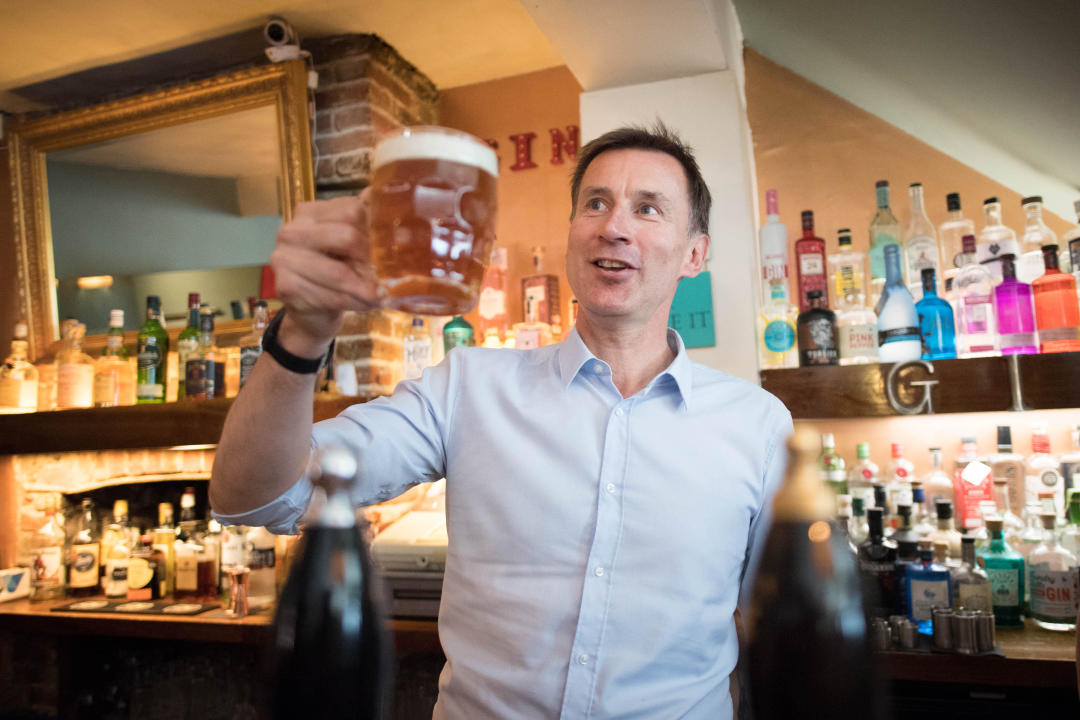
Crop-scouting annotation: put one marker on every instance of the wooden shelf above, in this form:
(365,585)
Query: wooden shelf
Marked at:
(970,385)
(195,422)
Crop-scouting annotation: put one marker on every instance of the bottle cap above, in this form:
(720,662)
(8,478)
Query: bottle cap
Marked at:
(943,508)
(968,539)
(968,244)
(1031,199)
(903,511)
(807,219)
(1049,520)
(120,509)
(862,451)
(772,204)
(881,184)
(21,331)
(261,304)
(858,506)
(992,199)
(915,185)
(153,302)
(952,201)
(1050,249)
(994,524)
(1004,437)
(967,440)
(898,450)
(418,322)
(116,318)
(827,440)
(193,300)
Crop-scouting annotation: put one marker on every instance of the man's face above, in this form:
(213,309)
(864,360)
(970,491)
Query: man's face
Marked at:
(628,244)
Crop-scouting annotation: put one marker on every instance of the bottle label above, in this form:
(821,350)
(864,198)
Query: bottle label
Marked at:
(204,378)
(74,385)
(248,356)
(187,572)
(777,292)
(84,565)
(116,577)
(106,383)
(779,336)
(149,356)
(927,595)
(858,340)
(232,548)
(811,264)
(47,567)
(974,596)
(184,349)
(16,393)
(492,303)
(977,313)
(1045,335)
(900,334)
(262,558)
(140,576)
(1005,586)
(417,356)
(845,281)
(525,339)
(921,254)
(1054,593)
(150,391)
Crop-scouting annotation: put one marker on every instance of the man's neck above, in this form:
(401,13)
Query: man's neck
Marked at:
(636,355)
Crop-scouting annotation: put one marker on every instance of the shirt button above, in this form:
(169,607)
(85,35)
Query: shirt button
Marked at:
(598,368)
(599,572)
(618,411)
(583,658)
(611,487)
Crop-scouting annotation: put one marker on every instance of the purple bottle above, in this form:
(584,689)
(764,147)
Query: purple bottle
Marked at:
(1016,314)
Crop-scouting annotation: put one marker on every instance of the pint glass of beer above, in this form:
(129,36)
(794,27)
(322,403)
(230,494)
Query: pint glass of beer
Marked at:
(432,219)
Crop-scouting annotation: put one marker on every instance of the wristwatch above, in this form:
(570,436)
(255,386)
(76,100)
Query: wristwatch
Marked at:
(284,358)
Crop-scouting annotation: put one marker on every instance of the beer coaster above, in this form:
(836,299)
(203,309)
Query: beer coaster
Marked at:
(140,607)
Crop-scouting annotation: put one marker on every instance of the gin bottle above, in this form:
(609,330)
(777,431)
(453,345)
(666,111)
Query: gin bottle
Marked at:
(457,333)
(921,520)
(863,475)
(898,321)
(995,240)
(776,331)
(877,561)
(973,293)
(1009,466)
(936,323)
(818,340)
(1070,249)
(1036,236)
(47,552)
(928,586)
(1070,534)
(1057,312)
(1070,462)
(1054,581)
(1042,471)
(856,322)
(1012,525)
(1015,312)
(859,527)
(946,531)
(884,231)
(74,369)
(18,377)
(186,343)
(773,246)
(416,347)
(251,344)
(114,379)
(541,289)
(971,586)
(847,271)
(937,483)
(952,232)
(920,244)
(1005,568)
(831,467)
(491,308)
(153,353)
(810,264)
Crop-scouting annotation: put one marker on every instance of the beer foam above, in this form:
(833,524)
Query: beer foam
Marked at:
(437,146)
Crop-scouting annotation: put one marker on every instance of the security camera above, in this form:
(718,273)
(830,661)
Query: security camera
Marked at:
(284,42)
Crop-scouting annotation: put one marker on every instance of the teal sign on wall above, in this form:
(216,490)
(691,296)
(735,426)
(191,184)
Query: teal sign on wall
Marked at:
(691,312)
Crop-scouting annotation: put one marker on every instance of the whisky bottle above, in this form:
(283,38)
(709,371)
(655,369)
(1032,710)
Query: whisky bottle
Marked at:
(18,377)
(74,369)
(204,372)
(186,343)
(153,353)
(84,556)
(114,379)
(164,549)
(116,548)
(144,575)
(47,546)
(541,288)
(251,344)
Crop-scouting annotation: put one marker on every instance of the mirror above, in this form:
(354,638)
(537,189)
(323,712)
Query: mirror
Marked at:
(173,190)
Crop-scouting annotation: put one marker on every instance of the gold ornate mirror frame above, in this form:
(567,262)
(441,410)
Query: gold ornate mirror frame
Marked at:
(282,85)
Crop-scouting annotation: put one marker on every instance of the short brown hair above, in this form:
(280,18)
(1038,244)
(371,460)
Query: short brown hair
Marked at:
(659,139)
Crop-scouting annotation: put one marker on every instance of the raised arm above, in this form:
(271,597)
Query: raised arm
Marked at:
(320,263)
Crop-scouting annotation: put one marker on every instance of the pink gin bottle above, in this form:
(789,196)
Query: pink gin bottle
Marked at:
(1015,311)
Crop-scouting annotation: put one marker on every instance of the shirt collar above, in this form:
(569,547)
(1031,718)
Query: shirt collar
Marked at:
(574,356)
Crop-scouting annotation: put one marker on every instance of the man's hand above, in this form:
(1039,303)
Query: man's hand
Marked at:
(322,268)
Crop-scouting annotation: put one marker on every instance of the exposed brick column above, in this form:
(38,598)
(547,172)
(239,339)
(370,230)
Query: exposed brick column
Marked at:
(365,88)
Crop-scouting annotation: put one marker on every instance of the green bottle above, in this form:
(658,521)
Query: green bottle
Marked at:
(1005,568)
(153,354)
(186,343)
(457,333)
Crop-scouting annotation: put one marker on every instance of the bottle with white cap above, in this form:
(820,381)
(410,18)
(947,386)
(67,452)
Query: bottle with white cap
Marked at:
(18,377)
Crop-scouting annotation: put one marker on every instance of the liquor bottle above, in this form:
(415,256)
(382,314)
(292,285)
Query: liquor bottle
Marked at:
(1005,568)
(262,560)
(859,527)
(84,556)
(18,377)
(491,308)
(929,585)
(210,561)
(831,467)
(776,331)
(937,483)
(1042,471)
(857,328)
(1054,581)
(847,273)
(457,333)
(946,531)
(920,244)
(1070,462)
(842,519)
(952,232)
(116,552)
(971,586)
(532,333)
(936,323)
(251,344)
(1009,466)
(974,487)
(810,264)
(332,656)
(234,553)
(773,246)
(153,353)
(855,321)
(897,320)
(74,369)
(1012,525)
(818,339)
(542,289)
(164,539)
(1036,236)
(806,607)
(921,520)
(907,552)
(47,552)
(416,348)
(1070,247)
(877,560)
(973,293)
(145,572)
(204,371)
(898,476)
(186,343)
(187,568)
(889,521)
(114,381)
(1015,312)
(884,231)
(995,240)
(863,475)
(114,532)
(1057,311)
(1070,534)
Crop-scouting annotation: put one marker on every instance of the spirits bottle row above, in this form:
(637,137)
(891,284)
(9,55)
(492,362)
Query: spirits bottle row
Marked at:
(187,560)
(899,302)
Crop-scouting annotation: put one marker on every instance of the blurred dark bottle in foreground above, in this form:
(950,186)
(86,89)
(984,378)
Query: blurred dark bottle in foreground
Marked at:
(809,653)
(332,654)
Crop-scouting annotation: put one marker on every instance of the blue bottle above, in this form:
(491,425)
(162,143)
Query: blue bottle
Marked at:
(929,585)
(936,323)
(897,319)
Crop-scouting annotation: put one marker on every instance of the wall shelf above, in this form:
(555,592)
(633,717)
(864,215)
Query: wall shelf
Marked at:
(970,385)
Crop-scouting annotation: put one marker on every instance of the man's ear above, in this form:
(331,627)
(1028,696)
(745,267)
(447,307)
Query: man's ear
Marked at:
(695,255)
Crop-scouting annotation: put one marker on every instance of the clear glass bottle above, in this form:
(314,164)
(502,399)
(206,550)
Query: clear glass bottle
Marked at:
(776,330)
(952,232)
(971,586)
(541,289)
(922,521)
(936,323)
(164,549)
(1070,248)
(946,529)
(899,339)
(1042,469)
(1055,585)
(995,240)
(858,528)
(889,521)
(810,264)
(74,369)
(898,476)
(1009,466)
(116,546)
(153,354)
(884,231)
(863,475)
(856,323)
(1037,235)
(1057,311)
(262,560)
(819,343)
(847,272)
(114,379)
(84,555)
(1005,569)
(251,344)
(1070,534)
(47,558)
(773,248)
(186,343)
(204,373)
(973,297)
(831,467)
(921,250)
(1015,311)
(18,377)
(842,520)
(1013,526)
(416,349)
(907,553)
(491,308)
(929,585)
(937,483)
(1070,462)
(532,333)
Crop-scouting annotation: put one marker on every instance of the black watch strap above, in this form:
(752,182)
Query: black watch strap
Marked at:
(284,358)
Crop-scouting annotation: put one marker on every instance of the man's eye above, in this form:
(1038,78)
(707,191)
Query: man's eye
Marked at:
(649,210)
(594,204)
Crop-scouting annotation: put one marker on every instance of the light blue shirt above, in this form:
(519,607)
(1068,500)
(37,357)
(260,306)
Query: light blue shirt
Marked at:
(597,545)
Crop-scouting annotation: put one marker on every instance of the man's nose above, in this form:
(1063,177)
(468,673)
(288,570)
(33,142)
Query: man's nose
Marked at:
(616,227)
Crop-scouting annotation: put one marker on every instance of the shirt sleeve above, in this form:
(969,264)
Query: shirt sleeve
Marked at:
(775,466)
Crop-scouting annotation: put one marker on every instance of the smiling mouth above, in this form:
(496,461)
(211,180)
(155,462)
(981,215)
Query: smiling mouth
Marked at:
(611,265)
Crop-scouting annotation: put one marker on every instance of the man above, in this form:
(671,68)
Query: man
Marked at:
(604,495)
